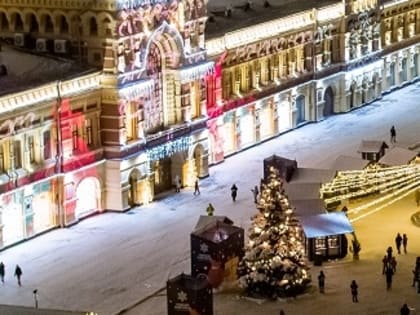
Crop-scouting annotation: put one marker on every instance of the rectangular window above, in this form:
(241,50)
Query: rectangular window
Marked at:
(75,138)
(89,134)
(31,149)
(17,154)
(1,159)
(47,145)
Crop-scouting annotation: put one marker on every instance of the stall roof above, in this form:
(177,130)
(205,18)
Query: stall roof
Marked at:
(349,163)
(308,207)
(398,156)
(216,231)
(327,224)
(302,191)
(372,146)
(312,175)
(205,220)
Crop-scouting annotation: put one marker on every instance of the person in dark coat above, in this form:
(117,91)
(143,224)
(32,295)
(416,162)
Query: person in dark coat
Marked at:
(354,291)
(393,135)
(18,274)
(255,193)
(321,281)
(398,241)
(404,242)
(405,310)
(389,273)
(389,252)
(234,192)
(196,188)
(2,272)
(384,264)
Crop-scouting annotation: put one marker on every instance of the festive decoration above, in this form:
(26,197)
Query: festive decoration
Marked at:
(137,90)
(375,179)
(274,264)
(196,72)
(169,148)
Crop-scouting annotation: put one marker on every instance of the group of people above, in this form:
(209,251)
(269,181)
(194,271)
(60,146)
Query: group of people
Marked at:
(354,287)
(18,273)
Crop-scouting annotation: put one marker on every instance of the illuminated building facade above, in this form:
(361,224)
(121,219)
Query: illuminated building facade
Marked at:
(178,85)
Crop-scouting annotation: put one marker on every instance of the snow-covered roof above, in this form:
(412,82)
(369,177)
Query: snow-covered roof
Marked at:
(349,163)
(217,232)
(312,175)
(27,70)
(308,207)
(326,224)
(372,146)
(219,24)
(205,220)
(398,156)
(302,191)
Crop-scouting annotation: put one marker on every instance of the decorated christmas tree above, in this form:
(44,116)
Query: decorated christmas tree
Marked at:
(274,264)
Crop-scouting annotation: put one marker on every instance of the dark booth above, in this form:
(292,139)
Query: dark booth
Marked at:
(188,295)
(216,249)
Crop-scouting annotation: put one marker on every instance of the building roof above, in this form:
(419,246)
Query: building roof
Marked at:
(218,24)
(372,146)
(349,163)
(333,223)
(27,70)
(302,191)
(397,156)
(308,207)
(312,175)
(24,310)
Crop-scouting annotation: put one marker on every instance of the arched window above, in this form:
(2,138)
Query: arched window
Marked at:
(18,22)
(4,23)
(93,26)
(49,26)
(33,23)
(107,27)
(63,25)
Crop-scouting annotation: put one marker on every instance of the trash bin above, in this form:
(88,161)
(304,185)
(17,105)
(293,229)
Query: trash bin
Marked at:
(318,260)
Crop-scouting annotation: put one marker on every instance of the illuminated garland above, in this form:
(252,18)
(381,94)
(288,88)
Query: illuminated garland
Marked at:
(372,180)
(196,72)
(169,148)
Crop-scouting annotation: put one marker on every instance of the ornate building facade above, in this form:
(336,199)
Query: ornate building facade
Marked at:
(176,86)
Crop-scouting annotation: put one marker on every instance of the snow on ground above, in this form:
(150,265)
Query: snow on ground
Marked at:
(110,262)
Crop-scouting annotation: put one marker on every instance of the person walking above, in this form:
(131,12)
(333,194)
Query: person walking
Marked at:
(393,134)
(2,272)
(18,274)
(321,281)
(354,291)
(389,252)
(404,242)
(210,210)
(405,310)
(398,241)
(384,264)
(417,196)
(177,184)
(234,192)
(255,193)
(388,274)
(196,188)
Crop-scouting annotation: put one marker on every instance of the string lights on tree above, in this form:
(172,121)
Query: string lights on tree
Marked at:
(274,263)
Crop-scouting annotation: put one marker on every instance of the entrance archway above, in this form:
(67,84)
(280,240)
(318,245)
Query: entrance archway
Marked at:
(88,194)
(198,160)
(300,107)
(352,95)
(133,193)
(163,175)
(328,102)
